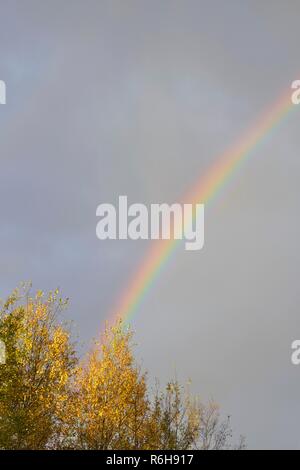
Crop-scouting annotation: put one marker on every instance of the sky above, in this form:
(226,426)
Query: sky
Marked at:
(139,98)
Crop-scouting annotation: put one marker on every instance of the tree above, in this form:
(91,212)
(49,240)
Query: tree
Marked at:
(181,422)
(109,406)
(175,419)
(39,362)
(215,433)
(48,399)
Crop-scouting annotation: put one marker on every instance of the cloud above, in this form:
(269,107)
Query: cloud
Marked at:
(139,98)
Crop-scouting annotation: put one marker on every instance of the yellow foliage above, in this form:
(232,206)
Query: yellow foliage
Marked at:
(34,380)
(50,400)
(109,399)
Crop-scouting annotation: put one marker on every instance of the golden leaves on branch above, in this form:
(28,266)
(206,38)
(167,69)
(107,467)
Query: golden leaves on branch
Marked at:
(50,399)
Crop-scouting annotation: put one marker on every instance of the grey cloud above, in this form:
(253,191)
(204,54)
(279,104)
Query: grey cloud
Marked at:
(139,98)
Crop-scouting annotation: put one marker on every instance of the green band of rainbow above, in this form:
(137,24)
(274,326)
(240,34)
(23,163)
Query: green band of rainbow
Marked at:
(205,190)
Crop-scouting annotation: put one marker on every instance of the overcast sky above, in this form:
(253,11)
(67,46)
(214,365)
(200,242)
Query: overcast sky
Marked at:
(106,98)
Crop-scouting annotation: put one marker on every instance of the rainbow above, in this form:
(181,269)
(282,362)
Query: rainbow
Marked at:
(204,191)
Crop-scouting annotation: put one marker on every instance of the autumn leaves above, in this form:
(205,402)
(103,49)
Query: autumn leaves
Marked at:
(49,399)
